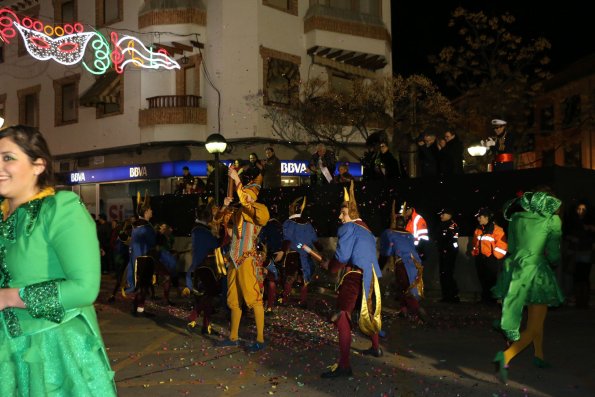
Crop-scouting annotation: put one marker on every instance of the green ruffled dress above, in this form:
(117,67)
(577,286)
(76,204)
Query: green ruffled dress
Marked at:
(49,247)
(533,248)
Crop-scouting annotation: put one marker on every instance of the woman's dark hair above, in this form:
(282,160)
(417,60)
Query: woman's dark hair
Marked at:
(33,144)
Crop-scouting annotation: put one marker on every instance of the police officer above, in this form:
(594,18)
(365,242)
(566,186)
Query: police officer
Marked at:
(448,248)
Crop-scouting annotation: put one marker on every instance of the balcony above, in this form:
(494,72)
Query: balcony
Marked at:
(338,38)
(173,109)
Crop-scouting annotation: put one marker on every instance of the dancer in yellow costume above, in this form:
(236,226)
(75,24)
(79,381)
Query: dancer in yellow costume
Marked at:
(244,269)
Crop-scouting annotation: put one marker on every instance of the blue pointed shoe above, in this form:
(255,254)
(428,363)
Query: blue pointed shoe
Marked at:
(501,367)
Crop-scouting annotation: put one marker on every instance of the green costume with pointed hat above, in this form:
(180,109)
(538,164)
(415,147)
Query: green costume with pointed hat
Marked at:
(534,236)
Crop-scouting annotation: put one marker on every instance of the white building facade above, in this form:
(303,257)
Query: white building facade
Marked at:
(115,134)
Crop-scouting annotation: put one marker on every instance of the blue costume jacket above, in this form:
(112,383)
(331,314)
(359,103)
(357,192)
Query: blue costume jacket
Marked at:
(203,244)
(143,239)
(301,233)
(356,245)
(401,244)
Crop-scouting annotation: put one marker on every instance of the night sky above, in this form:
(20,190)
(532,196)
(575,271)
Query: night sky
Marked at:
(421,29)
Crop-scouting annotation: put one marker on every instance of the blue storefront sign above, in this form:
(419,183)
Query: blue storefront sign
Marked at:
(174,169)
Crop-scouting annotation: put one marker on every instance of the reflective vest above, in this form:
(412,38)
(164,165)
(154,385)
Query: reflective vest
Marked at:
(489,240)
(417,226)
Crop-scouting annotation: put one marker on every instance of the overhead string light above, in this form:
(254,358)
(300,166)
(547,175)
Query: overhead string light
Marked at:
(66,44)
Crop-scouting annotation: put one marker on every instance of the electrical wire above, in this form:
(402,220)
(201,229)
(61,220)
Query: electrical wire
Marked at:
(210,81)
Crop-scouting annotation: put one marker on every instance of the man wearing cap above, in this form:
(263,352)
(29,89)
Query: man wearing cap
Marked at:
(448,248)
(244,272)
(488,248)
(356,257)
(504,146)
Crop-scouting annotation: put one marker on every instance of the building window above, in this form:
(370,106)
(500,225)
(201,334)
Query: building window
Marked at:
(66,100)
(280,4)
(282,82)
(547,119)
(115,105)
(369,7)
(65,11)
(571,108)
(109,11)
(3,106)
(289,6)
(29,106)
(573,155)
(341,84)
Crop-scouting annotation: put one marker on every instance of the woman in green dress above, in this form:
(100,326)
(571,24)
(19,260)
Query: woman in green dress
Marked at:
(528,280)
(50,344)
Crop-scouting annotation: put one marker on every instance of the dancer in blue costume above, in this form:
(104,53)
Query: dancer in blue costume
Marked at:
(356,256)
(297,233)
(398,242)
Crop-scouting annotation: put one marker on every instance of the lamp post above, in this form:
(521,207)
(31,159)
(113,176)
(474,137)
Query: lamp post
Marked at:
(216,144)
(477,150)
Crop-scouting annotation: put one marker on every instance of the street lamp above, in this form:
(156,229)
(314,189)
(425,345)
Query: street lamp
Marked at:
(477,150)
(216,144)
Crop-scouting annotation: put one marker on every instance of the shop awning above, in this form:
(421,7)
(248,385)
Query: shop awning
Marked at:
(105,90)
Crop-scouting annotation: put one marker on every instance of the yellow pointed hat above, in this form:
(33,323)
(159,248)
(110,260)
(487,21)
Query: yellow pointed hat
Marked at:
(349,201)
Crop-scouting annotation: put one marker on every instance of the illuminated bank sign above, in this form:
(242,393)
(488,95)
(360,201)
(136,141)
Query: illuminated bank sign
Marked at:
(174,169)
(294,168)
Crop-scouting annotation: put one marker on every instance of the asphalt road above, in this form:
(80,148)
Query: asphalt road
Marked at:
(449,355)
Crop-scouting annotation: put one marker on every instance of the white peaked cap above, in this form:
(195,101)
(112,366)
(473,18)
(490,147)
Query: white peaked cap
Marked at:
(498,122)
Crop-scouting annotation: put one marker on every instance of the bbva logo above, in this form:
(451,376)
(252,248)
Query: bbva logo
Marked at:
(77,177)
(293,168)
(136,172)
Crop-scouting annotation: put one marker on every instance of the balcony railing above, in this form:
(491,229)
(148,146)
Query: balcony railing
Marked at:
(174,101)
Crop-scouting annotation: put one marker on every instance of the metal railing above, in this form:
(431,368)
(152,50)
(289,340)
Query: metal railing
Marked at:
(174,101)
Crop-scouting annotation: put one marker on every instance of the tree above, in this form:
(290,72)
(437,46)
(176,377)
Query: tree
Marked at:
(494,72)
(406,106)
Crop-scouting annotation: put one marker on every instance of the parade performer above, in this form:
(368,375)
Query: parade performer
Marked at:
(528,278)
(398,242)
(142,265)
(244,269)
(166,266)
(356,255)
(202,278)
(50,342)
(298,263)
(271,239)
(488,247)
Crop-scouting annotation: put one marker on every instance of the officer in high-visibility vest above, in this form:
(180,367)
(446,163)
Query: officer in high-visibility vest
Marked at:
(489,247)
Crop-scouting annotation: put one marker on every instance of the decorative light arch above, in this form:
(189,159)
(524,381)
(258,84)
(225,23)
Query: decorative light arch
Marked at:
(67,43)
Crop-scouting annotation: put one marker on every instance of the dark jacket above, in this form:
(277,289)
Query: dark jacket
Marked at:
(428,159)
(271,172)
(451,157)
